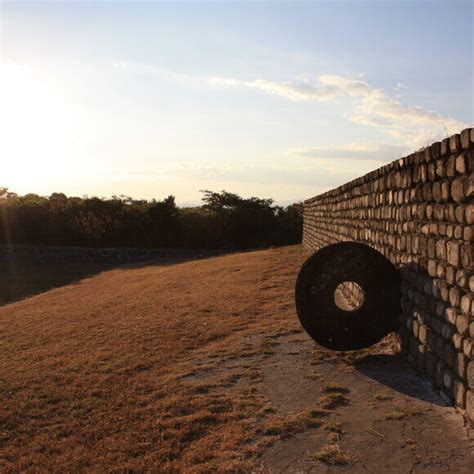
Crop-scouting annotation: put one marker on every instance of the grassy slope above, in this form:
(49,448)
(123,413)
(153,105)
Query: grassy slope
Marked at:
(91,375)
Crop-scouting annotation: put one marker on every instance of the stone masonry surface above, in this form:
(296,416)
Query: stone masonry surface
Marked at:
(418,211)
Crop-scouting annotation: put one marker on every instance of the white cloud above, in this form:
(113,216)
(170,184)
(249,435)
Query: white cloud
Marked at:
(220,174)
(152,70)
(380,109)
(400,87)
(412,125)
(381,152)
(327,87)
(345,85)
(135,67)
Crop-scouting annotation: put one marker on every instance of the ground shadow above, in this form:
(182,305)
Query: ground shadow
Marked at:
(394,371)
(20,280)
(22,277)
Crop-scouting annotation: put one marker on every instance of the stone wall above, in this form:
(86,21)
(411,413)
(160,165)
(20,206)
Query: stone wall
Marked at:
(352,293)
(418,211)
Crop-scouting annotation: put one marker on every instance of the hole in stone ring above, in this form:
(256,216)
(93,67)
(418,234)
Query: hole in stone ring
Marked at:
(349,296)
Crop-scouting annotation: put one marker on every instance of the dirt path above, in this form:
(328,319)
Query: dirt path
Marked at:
(386,419)
(374,413)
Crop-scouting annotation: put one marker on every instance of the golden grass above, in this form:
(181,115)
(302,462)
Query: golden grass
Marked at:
(382,397)
(333,400)
(334,430)
(332,455)
(398,413)
(284,427)
(334,388)
(93,376)
(334,427)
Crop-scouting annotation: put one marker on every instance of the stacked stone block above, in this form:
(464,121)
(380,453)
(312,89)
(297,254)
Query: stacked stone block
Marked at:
(352,294)
(418,211)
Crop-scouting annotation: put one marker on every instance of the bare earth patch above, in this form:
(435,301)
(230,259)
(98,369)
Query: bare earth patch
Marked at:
(203,367)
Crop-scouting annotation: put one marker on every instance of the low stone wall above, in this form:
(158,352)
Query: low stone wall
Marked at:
(418,211)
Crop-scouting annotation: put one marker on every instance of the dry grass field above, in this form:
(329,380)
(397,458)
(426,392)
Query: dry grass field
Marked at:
(202,367)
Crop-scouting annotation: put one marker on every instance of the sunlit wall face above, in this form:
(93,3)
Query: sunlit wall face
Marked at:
(278,100)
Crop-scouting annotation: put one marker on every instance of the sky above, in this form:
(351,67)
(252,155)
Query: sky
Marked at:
(277,99)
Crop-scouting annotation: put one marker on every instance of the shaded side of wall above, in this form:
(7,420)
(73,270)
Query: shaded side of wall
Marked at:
(418,211)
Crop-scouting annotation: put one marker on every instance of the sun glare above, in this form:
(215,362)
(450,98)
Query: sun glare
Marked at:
(35,126)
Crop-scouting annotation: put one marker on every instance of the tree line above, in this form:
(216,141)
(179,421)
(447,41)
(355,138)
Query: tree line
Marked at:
(224,220)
